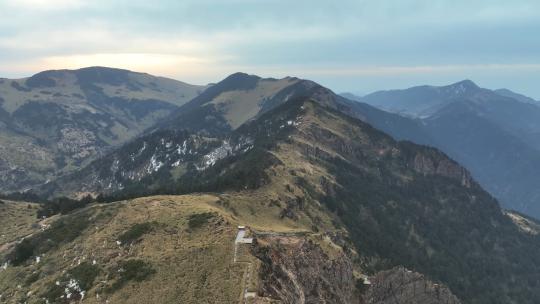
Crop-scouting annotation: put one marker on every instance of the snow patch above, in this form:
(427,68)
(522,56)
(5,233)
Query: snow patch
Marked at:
(294,123)
(139,152)
(244,144)
(73,287)
(221,152)
(181,150)
(154,164)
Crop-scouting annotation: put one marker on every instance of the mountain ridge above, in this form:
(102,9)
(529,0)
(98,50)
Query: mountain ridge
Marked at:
(494,135)
(355,171)
(421,101)
(516,96)
(201,118)
(57,121)
(312,176)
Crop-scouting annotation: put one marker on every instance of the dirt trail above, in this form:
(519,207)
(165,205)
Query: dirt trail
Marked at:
(243,241)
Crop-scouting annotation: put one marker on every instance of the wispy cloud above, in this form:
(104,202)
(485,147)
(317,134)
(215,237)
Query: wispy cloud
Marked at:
(44,5)
(416,70)
(202,40)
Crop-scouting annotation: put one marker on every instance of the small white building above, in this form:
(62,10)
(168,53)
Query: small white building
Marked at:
(240,237)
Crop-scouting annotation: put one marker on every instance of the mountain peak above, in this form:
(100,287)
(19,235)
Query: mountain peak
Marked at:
(463,87)
(238,80)
(351,96)
(240,76)
(94,74)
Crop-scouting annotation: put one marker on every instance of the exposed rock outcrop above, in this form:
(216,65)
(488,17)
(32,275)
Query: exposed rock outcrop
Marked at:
(297,271)
(402,286)
(431,165)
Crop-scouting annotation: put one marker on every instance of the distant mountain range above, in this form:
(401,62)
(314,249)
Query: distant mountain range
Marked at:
(495,134)
(331,200)
(205,123)
(57,121)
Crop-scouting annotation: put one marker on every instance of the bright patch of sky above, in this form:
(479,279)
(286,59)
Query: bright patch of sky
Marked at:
(349,45)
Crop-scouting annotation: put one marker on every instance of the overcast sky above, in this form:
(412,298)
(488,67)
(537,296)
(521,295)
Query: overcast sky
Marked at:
(357,46)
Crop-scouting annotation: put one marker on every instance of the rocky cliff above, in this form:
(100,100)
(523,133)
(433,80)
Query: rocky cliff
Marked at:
(402,286)
(302,270)
(296,270)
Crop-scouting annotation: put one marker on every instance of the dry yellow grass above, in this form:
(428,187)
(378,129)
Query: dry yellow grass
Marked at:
(17,219)
(192,265)
(239,104)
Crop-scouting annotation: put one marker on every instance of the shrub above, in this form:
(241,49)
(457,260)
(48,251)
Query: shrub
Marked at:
(131,270)
(53,293)
(135,232)
(62,231)
(199,219)
(85,274)
(62,205)
(22,252)
(32,278)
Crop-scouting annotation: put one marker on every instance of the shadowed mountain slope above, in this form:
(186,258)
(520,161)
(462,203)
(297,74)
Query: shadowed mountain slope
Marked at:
(493,134)
(57,121)
(206,123)
(394,203)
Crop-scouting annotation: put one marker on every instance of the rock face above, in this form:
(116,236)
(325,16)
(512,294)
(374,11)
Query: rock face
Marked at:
(401,286)
(297,271)
(444,167)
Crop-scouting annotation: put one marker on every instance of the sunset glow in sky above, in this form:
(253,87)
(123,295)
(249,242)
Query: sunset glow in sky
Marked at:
(357,46)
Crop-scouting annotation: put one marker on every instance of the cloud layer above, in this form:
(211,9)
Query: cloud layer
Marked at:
(348,45)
